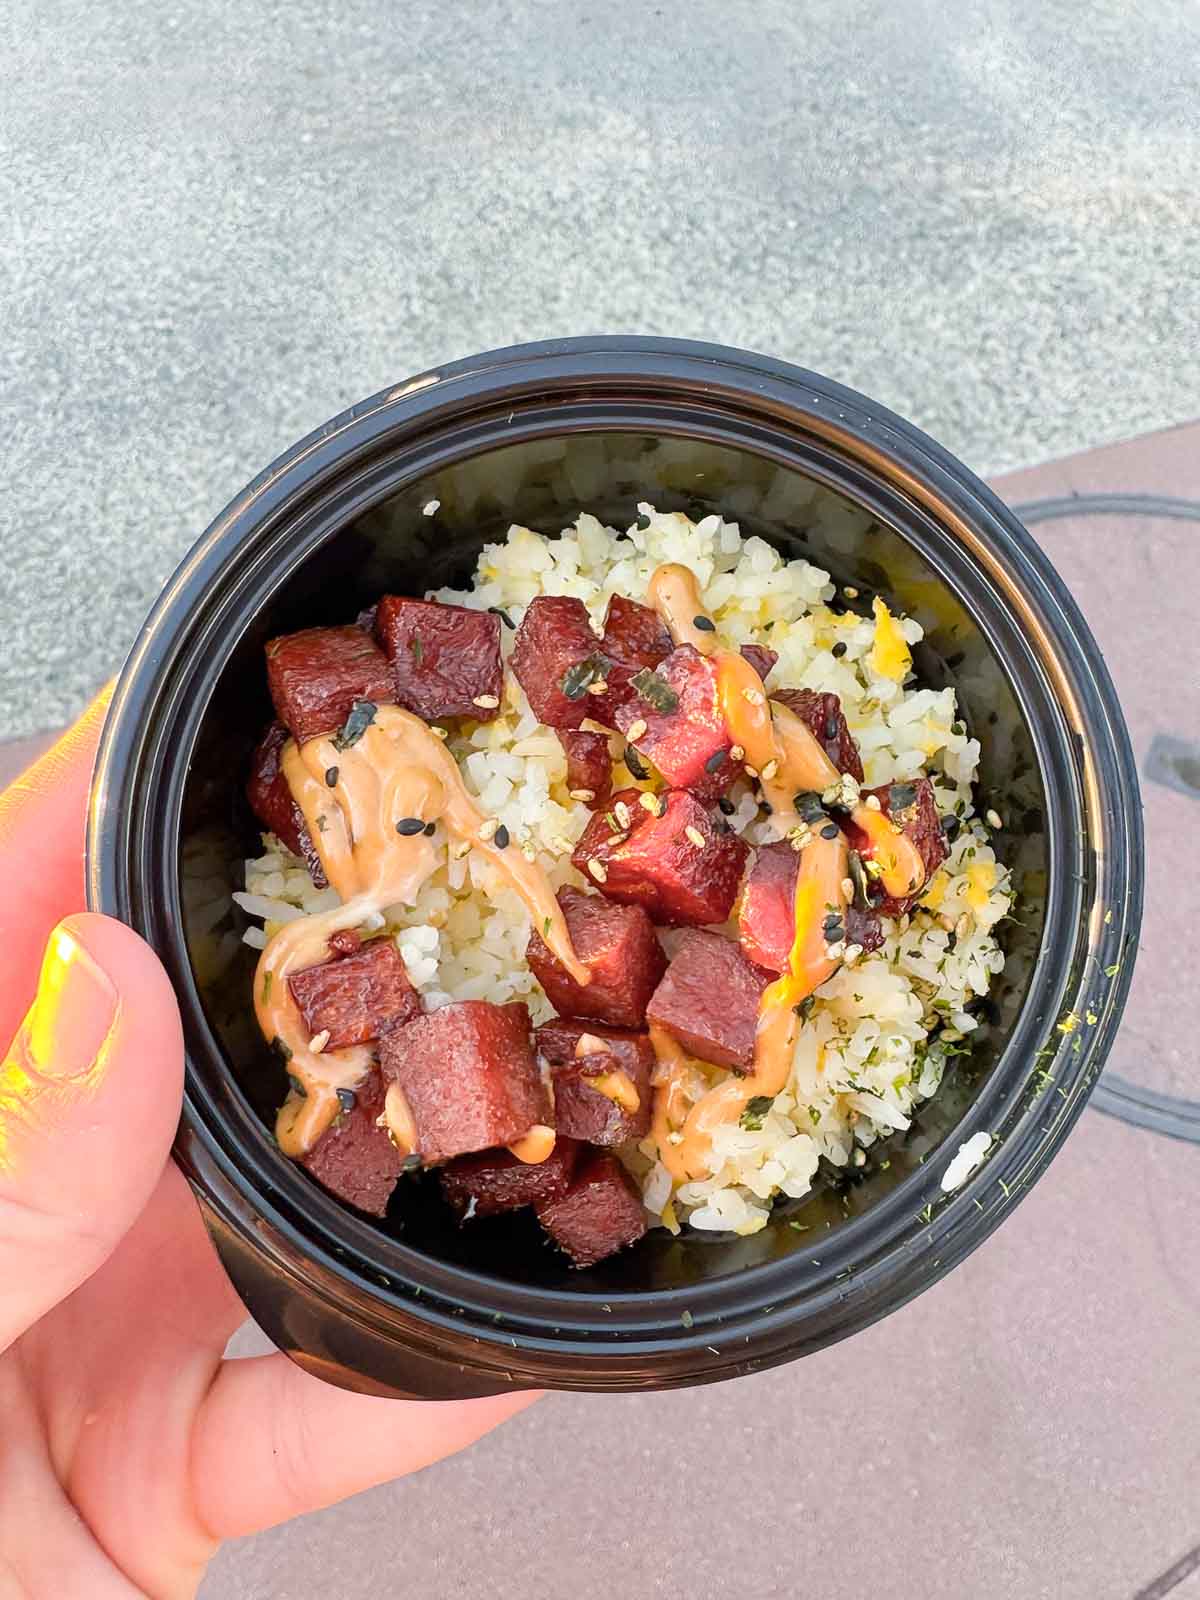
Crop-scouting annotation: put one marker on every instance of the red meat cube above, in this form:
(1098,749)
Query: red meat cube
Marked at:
(345,942)
(600,1213)
(354,1159)
(589,765)
(767,911)
(558,1042)
(822,715)
(358,997)
(469,1076)
(493,1181)
(633,633)
(653,860)
(445,659)
(271,801)
(555,656)
(674,719)
(584,1111)
(316,676)
(709,1000)
(913,807)
(760,658)
(618,946)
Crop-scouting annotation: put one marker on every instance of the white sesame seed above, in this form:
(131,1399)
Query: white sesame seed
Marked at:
(848,888)
(771,768)
(486,702)
(834,951)
(430,507)
(853,951)
(859,1158)
(622,813)
(961,926)
(873,803)
(635,731)
(736,753)
(487,828)
(992,818)
(695,836)
(582,794)
(438,733)
(598,870)
(318,1041)
(599,687)
(851,594)
(751,772)
(649,802)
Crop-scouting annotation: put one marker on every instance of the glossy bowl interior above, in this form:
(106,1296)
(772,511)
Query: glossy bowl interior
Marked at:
(418,1305)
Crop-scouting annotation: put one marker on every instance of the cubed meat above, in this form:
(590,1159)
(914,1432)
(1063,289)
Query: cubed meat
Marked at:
(760,658)
(674,719)
(493,1181)
(558,1041)
(680,862)
(709,1000)
(589,765)
(555,658)
(912,805)
(354,1159)
(601,1099)
(634,634)
(345,942)
(618,946)
(822,715)
(600,1213)
(445,659)
(766,911)
(469,1075)
(356,998)
(316,676)
(271,801)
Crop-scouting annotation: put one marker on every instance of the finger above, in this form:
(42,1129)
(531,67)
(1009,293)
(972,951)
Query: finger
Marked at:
(89,1098)
(42,821)
(272,1442)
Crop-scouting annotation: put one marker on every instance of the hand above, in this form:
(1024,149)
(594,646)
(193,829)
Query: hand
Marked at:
(128,1447)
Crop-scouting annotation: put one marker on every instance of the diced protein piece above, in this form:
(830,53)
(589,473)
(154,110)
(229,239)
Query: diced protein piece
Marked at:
(674,719)
(445,659)
(354,1159)
(822,715)
(469,1075)
(345,942)
(618,946)
(493,1181)
(271,801)
(358,997)
(316,676)
(593,1095)
(760,658)
(589,765)
(558,1041)
(555,658)
(683,866)
(766,912)
(910,803)
(600,1213)
(634,633)
(709,1000)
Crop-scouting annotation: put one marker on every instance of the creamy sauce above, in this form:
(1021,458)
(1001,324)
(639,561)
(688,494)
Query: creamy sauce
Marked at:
(398,768)
(616,1085)
(782,752)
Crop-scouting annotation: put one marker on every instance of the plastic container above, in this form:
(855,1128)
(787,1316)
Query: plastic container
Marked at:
(531,434)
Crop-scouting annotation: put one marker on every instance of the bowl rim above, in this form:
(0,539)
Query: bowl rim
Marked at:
(608,1338)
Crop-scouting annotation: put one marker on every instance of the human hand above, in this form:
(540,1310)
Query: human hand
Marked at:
(128,1447)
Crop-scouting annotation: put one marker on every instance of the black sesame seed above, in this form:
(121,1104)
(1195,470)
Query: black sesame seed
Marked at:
(829,831)
(715,761)
(839,648)
(407,826)
(833,926)
(636,765)
(431,829)
(900,796)
(331,777)
(499,611)
(808,806)
(831,727)
(347,1099)
(705,624)
(727,806)
(500,838)
(643,522)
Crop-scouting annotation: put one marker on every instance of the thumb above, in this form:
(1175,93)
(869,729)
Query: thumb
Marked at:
(89,1098)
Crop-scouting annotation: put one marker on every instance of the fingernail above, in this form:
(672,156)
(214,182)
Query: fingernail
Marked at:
(73,1011)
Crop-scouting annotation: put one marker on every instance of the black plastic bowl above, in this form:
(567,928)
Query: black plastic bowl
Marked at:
(417,1306)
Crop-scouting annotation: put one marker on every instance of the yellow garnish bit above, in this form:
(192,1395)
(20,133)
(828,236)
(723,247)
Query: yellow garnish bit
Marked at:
(981,880)
(889,656)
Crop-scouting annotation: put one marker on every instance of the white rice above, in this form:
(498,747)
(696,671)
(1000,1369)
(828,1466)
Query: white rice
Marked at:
(865,1060)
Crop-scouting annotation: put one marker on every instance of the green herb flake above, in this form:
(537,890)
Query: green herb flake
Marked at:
(1111,972)
(546,927)
(417,648)
(754,1115)
(576,679)
(322,822)
(814,1116)
(266,987)
(655,691)
(362,715)
(1108,918)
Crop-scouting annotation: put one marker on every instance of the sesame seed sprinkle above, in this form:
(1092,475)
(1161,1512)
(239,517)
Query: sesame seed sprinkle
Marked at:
(771,768)
(635,730)
(598,870)
(407,827)
(992,818)
(623,814)
(318,1041)
(582,794)
(695,836)
(600,686)
(486,702)
(649,802)
(873,803)
(500,838)
(737,753)
(487,829)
